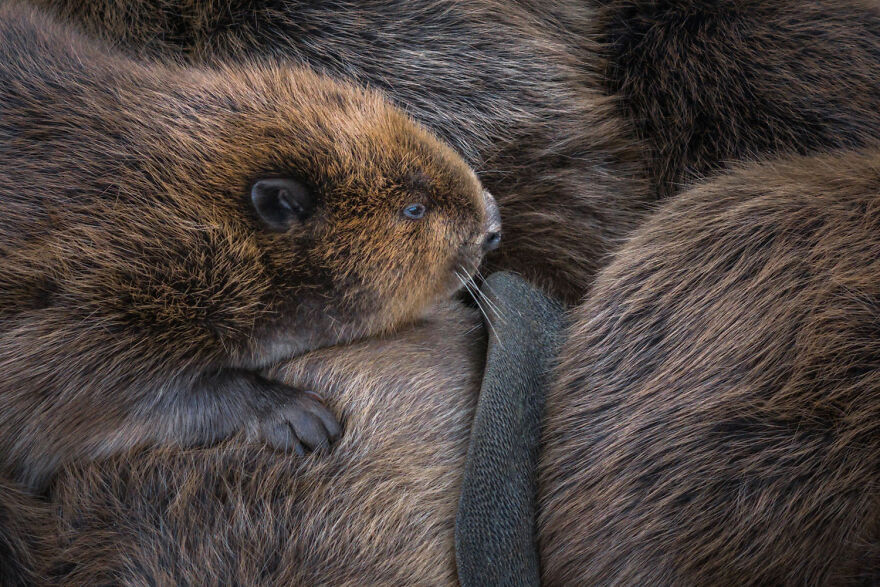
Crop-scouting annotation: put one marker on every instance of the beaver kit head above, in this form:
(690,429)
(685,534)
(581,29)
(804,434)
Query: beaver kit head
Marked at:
(167,230)
(352,205)
(349,210)
(510,85)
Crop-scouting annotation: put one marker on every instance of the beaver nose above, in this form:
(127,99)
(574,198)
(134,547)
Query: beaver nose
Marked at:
(493,223)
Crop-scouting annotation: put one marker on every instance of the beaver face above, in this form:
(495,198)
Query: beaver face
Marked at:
(351,201)
(290,195)
(393,228)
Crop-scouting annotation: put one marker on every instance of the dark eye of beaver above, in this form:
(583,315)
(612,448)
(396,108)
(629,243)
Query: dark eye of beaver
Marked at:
(414,211)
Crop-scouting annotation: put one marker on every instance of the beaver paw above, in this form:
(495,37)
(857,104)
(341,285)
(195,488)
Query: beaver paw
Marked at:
(302,424)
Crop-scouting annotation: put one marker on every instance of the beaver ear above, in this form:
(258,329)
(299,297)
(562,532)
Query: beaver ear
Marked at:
(282,202)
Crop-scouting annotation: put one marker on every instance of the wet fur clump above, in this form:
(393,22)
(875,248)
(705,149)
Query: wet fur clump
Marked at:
(504,83)
(169,231)
(716,418)
(378,510)
(708,83)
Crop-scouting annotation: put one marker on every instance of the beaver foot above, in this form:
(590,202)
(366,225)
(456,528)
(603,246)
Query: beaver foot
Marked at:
(302,424)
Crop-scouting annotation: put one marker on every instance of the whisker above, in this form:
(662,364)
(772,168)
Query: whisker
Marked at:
(496,310)
(485,297)
(492,305)
(476,293)
(498,314)
(470,290)
(473,328)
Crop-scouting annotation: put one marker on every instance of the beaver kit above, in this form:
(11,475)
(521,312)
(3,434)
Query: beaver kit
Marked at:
(169,231)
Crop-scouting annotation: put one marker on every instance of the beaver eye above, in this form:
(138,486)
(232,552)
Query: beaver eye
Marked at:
(414,211)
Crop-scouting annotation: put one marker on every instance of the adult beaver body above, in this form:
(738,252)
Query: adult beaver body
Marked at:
(169,231)
(717,414)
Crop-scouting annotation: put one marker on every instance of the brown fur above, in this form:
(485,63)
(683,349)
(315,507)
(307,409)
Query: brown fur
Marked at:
(139,292)
(715,422)
(717,415)
(26,526)
(496,80)
(502,94)
(707,82)
(378,510)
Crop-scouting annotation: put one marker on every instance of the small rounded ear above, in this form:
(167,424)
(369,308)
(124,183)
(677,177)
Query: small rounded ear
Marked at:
(281,202)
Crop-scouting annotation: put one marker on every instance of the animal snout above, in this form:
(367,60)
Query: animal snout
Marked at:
(492,238)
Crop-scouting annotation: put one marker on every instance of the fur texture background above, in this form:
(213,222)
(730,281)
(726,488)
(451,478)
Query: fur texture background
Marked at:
(25,533)
(711,82)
